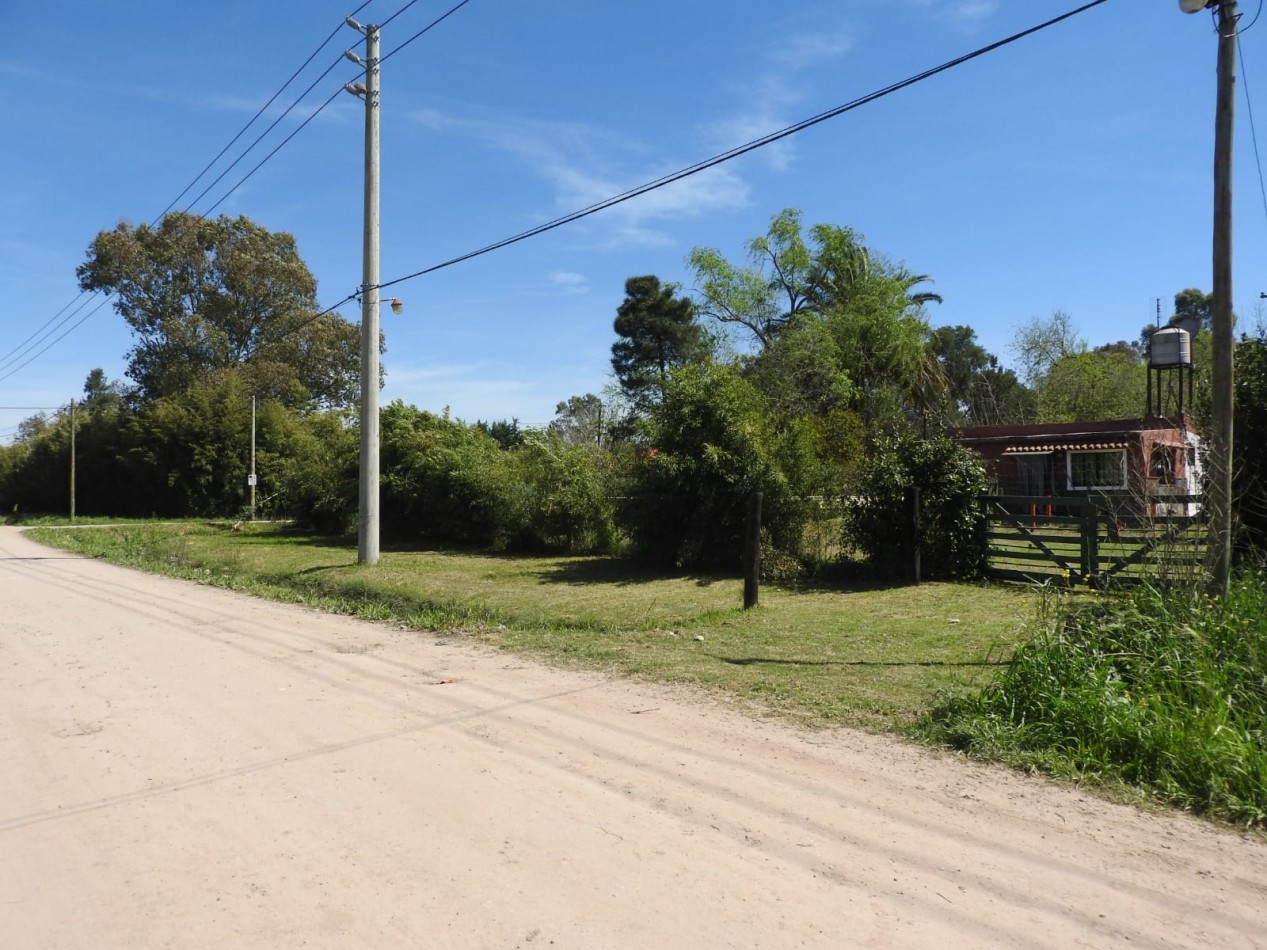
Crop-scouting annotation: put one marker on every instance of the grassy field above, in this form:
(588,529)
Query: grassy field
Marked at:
(871,656)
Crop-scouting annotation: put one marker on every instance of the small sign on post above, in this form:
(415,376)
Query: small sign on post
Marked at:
(252,480)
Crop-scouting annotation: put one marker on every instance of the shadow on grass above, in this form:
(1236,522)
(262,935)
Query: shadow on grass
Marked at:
(319,568)
(618,572)
(757,660)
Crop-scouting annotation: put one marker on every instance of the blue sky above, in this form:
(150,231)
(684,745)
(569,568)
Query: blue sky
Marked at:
(1069,171)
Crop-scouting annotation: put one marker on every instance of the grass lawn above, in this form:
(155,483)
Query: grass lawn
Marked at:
(823,655)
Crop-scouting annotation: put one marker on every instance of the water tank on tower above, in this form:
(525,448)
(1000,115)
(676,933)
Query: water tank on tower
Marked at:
(1169,371)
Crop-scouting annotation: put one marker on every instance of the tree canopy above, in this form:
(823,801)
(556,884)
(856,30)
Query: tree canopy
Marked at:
(787,275)
(656,332)
(205,296)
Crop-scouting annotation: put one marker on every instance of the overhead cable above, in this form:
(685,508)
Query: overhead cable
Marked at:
(744,149)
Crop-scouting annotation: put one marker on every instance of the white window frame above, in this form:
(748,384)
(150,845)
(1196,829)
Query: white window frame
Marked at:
(1121,454)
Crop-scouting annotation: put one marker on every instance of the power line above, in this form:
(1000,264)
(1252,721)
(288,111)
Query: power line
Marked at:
(42,332)
(242,131)
(329,69)
(1253,133)
(51,325)
(74,326)
(436,22)
(742,149)
(262,162)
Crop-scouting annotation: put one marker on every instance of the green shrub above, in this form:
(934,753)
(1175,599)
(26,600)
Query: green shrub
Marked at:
(572,508)
(1163,689)
(950,480)
(712,444)
(446,481)
(312,467)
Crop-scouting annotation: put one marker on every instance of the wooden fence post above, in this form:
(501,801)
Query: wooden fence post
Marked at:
(1090,541)
(913,542)
(752,552)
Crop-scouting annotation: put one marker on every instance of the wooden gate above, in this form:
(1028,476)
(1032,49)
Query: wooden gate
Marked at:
(1093,539)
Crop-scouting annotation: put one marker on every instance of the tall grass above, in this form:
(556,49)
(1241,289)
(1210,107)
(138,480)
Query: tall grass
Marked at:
(1163,689)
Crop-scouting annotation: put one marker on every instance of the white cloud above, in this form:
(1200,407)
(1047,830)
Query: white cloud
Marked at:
(569,282)
(474,391)
(971,10)
(586,165)
(811,48)
(769,101)
(960,11)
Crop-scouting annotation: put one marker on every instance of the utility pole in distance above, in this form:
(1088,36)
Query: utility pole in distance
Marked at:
(367,547)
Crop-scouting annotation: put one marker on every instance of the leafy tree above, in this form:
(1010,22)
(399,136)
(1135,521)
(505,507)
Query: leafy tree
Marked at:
(658,331)
(950,480)
(572,507)
(714,443)
(101,393)
(1094,386)
(203,295)
(505,433)
(1041,342)
(787,276)
(1250,441)
(980,390)
(1194,310)
(801,372)
(581,420)
(446,481)
(192,449)
(764,296)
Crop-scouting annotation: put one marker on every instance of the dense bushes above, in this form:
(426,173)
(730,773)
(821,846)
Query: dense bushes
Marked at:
(949,478)
(1161,689)
(675,493)
(449,482)
(712,444)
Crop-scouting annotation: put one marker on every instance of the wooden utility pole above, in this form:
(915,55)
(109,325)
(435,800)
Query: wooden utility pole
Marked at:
(752,553)
(1219,494)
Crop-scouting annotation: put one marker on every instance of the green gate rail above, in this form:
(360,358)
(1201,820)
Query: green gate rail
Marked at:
(1093,539)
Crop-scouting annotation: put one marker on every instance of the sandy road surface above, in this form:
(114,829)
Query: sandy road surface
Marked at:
(183,767)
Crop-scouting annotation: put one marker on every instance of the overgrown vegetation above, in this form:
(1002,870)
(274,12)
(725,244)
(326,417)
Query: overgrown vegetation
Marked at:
(1161,689)
(807,370)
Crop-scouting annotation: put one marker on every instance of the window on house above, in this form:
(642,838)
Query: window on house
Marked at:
(1097,469)
(1161,464)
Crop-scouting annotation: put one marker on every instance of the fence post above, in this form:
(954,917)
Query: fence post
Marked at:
(1090,541)
(912,538)
(752,552)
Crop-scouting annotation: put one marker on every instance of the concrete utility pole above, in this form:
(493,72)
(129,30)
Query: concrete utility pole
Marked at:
(368,521)
(72,461)
(1221,408)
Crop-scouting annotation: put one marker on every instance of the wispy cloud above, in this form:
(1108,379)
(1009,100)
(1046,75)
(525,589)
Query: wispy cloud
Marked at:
(569,282)
(962,12)
(778,87)
(586,164)
(473,391)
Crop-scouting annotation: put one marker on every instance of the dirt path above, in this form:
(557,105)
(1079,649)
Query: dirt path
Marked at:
(184,767)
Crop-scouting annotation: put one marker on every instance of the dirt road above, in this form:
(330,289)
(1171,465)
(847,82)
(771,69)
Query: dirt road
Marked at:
(184,767)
